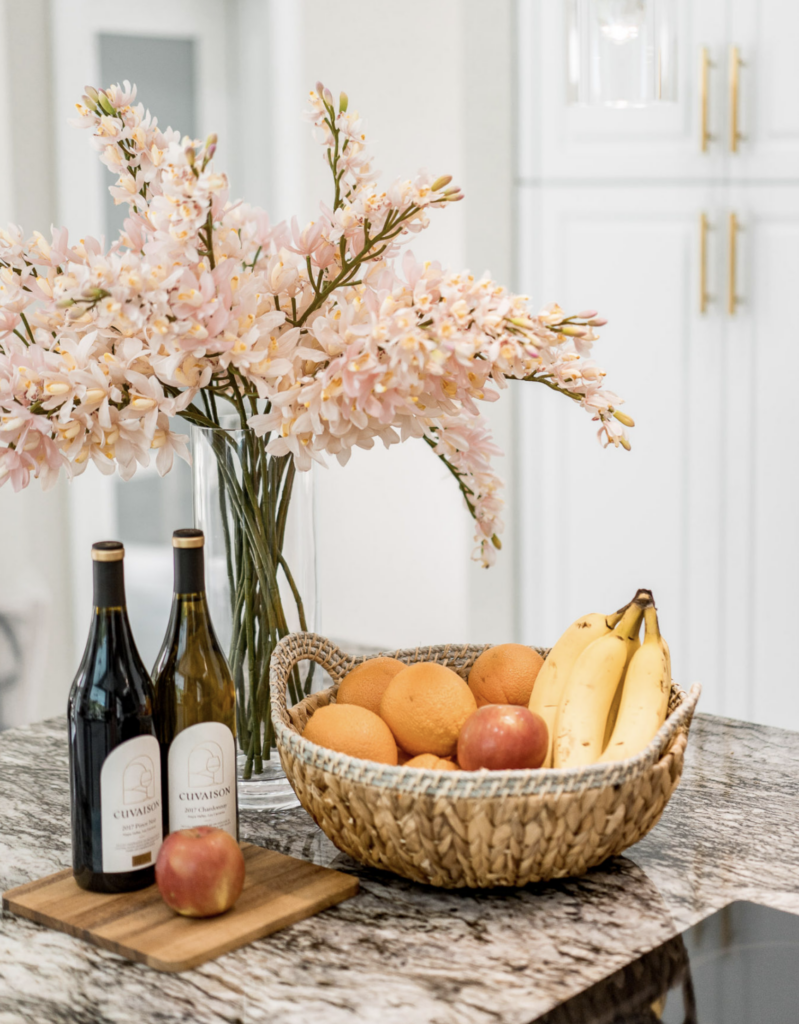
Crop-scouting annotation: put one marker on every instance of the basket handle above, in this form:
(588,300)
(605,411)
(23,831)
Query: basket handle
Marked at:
(298,647)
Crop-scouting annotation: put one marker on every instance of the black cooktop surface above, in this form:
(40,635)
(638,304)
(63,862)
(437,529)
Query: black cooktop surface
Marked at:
(738,966)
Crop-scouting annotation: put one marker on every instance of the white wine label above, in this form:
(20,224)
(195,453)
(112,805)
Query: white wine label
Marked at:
(130,805)
(202,778)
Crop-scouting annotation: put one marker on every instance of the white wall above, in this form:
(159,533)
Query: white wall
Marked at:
(394,534)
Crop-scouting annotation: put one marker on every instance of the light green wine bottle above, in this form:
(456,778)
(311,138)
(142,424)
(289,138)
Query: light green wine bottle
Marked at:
(195,704)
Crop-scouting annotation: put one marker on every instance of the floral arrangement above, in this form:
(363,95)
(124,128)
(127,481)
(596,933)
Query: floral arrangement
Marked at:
(319,339)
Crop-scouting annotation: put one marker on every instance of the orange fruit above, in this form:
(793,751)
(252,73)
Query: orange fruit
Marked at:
(367,683)
(425,706)
(441,764)
(352,730)
(505,674)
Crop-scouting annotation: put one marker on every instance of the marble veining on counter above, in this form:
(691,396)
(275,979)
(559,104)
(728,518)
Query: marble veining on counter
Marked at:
(401,952)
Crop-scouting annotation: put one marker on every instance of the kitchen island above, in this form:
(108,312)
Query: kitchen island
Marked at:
(406,953)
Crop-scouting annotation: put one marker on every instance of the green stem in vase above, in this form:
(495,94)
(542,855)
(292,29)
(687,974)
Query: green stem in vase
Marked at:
(237,646)
(252,717)
(283,509)
(255,492)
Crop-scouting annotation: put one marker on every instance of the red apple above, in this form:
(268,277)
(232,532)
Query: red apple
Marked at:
(200,871)
(501,736)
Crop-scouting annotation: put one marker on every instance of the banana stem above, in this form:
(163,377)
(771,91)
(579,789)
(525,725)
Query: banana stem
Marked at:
(651,625)
(631,620)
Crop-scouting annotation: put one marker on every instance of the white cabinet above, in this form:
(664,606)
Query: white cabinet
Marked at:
(559,140)
(765,34)
(704,509)
(761,471)
(600,524)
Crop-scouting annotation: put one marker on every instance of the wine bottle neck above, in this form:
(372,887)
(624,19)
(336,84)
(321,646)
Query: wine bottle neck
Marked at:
(109,584)
(189,570)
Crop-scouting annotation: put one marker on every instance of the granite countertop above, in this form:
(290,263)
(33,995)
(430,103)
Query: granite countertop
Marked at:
(401,952)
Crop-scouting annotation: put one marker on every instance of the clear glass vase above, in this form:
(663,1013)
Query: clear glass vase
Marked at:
(258,517)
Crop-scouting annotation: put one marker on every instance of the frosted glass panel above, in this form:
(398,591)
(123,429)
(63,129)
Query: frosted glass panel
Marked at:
(164,71)
(148,507)
(622,53)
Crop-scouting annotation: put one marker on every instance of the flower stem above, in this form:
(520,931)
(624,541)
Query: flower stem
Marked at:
(255,492)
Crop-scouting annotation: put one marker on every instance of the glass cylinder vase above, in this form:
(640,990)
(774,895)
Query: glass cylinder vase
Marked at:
(258,518)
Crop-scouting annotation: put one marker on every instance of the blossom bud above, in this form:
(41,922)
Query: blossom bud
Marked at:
(12,424)
(597,321)
(343,102)
(56,388)
(585,315)
(212,140)
(319,89)
(105,103)
(622,417)
(191,155)
(64,303)
(439,183)
(496,542)
(328,97)
(91,98)
(624,443)
(573,331)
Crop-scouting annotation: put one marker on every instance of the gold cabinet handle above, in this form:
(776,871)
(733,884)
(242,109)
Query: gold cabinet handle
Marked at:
(705,64)
(733,299)
(704,298)
(735,73)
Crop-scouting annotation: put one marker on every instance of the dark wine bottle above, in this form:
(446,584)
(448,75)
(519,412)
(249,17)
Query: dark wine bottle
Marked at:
(114,756)
(195,704)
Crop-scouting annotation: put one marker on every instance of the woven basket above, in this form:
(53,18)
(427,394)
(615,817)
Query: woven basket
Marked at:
(475,829)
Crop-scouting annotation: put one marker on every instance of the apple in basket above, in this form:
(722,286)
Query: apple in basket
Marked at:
(502,736)
(200,871)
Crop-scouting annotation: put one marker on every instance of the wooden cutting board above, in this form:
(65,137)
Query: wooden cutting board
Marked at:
(278,891)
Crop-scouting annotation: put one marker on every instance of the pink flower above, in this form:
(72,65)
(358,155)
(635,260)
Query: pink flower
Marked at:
(322,333)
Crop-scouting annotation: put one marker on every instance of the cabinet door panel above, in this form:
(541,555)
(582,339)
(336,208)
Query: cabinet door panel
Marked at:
(559,140)
(761,467)
(766,34)
(600,524)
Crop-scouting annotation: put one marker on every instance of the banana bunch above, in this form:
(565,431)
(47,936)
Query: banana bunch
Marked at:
(603,694)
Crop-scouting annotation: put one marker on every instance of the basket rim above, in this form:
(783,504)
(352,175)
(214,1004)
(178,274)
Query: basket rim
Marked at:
(433,782)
